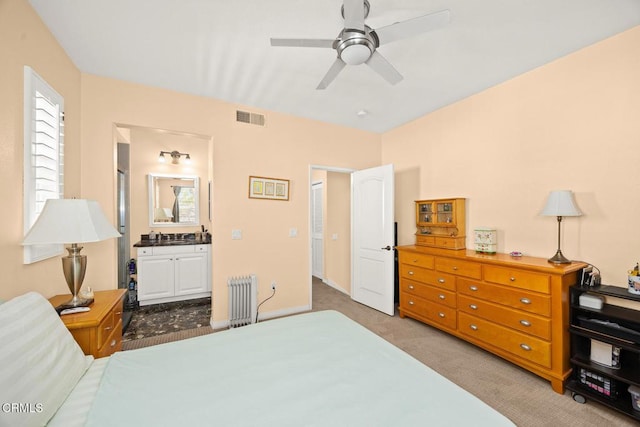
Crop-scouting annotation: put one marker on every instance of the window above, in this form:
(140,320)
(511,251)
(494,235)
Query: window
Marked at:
(43,156)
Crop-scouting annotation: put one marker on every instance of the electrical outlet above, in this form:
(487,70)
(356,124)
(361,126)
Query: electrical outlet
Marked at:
(273,285)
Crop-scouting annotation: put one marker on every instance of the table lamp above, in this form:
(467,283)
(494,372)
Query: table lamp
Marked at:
(71,221)
(559,204)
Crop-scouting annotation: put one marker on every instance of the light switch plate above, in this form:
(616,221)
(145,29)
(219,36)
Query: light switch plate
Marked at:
(236,234)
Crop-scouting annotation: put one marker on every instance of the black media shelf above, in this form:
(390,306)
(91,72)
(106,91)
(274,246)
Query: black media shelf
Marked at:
(587,324)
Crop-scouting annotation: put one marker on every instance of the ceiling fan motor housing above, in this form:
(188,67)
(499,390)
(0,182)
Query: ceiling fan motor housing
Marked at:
(354,46)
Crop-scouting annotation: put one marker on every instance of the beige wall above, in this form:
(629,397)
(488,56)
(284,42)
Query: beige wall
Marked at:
(572,124)
(24,40)
(338,225)
(284,148)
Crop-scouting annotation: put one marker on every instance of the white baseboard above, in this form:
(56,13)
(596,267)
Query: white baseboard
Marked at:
(334,286)
(224,324)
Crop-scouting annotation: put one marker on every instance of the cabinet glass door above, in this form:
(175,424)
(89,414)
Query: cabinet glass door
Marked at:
(444,212)
(425,213)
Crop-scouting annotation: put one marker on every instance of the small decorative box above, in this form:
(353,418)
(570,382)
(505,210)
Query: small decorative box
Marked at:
(486,240)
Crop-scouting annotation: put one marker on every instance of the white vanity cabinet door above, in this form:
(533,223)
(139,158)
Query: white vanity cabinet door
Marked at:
(191,273)
(155,277)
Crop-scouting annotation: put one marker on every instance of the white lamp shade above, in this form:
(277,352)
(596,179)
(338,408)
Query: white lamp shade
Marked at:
(560,203)
(70,221)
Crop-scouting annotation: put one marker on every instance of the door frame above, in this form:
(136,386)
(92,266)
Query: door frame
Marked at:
(309,225)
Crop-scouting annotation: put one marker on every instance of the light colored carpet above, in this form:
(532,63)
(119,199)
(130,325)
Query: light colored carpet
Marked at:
(521,396)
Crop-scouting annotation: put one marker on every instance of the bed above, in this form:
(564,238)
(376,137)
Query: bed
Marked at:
(312,369)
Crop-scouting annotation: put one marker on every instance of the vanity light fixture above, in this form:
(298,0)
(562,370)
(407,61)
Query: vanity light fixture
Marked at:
(559,204)
(175,157)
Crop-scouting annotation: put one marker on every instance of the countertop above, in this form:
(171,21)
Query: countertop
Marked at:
(171,242)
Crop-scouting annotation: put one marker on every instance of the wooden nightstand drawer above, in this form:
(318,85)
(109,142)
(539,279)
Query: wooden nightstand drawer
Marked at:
(98,331)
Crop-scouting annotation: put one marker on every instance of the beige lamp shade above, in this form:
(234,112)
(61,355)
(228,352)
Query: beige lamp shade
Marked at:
(70,221)
(560,203)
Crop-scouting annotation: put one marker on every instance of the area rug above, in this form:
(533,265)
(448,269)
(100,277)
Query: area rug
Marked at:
(160,319)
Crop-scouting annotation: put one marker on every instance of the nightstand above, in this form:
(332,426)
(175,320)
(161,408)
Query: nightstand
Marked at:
(98,331)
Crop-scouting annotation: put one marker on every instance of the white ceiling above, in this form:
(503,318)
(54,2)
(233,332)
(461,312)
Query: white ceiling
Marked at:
(221,49)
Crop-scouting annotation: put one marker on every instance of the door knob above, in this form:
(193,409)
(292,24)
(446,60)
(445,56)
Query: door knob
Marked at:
(386,248)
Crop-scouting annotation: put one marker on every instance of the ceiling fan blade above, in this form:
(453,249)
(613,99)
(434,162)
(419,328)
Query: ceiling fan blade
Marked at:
(333,72)
(303,42)
(412,27)
(381,66)
(353,12)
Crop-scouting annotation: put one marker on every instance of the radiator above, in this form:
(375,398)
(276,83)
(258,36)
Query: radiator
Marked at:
(243,295)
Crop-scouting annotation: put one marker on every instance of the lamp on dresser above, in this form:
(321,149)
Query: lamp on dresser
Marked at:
(71,221)
(560,204)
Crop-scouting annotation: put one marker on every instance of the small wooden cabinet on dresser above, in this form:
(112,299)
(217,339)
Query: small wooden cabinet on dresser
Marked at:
(516,308)
(441,223)
(98,331)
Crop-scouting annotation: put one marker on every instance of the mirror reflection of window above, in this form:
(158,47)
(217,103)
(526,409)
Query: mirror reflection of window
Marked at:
(173,200)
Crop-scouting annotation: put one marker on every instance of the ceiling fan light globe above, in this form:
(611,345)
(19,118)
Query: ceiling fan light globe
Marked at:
(355,54)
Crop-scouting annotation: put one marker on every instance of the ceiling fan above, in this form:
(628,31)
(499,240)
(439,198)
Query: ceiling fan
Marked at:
(357,42)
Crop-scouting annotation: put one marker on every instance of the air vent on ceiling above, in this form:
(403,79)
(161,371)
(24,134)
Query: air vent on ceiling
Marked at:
(251,118)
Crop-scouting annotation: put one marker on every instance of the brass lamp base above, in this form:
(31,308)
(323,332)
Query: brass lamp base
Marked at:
(558,258)
(74,267)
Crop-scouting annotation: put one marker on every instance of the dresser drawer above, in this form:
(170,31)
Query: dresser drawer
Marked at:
(512,297)
(517,278)
(522,345)
(412,258)
(429,293)
(514,319)
(431,277)
(459,267)
(438,313)
(425,240)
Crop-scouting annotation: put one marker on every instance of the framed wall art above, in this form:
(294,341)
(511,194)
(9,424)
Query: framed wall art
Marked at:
(268,188)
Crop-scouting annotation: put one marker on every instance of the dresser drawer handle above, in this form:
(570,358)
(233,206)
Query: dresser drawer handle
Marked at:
(441,280)
(442,296)
(108,328)
(525,323)
(118,313)
(525,347)
(411,287)
(455,268)
(473,306)
(411,303)
(513,279)
(473,327)
(415,260)
(113,343)
(525,300)
(410,273)
(441,315)
(473,288)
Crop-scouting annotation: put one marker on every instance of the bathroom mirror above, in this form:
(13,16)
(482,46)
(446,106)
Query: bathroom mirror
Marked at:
(174,200)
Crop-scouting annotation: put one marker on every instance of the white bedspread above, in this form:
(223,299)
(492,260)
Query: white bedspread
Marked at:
(313,369)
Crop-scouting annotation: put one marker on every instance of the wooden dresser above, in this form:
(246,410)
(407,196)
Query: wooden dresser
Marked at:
(516,308)
(98,331)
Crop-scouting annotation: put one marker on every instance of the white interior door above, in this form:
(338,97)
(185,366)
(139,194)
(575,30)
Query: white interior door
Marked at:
(372,219)
(317,230)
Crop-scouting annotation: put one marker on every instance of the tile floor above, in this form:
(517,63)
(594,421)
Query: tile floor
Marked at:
(159,319)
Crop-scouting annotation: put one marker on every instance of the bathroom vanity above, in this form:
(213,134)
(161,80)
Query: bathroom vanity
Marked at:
(173,270)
